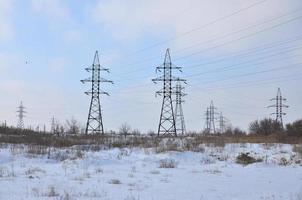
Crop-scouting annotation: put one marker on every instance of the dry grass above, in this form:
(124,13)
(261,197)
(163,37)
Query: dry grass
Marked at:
(167,163)
(39,143)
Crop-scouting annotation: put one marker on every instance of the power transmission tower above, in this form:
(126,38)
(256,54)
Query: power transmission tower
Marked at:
(167,125)
(53,125)
(179,116)
(210,119)
(279,107)
(207,124)
(222,122)
(21,111)
(94,122)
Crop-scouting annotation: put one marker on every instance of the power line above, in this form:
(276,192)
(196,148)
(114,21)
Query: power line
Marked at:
(229,34)
(240,30)
(241,55)
(241,38)
(201,27)
(257,72)
(292,77)
(238,65)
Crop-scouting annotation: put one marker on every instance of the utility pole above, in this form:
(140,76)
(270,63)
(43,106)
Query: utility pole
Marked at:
(279,107)
(167,126)
(95,122)
(21,111)
(179,116)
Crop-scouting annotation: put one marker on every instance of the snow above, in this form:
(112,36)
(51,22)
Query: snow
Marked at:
(133,174)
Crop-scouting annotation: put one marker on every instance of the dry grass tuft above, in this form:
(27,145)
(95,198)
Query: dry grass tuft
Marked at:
(167,163)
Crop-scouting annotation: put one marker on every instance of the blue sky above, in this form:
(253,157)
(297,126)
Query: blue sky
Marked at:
(236,59)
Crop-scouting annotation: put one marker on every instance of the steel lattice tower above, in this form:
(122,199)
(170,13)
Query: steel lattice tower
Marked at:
(279,107)
(208,124)
(222,121)
(21,111)
(167,126)
(179,116)
(210,118)
(95,122)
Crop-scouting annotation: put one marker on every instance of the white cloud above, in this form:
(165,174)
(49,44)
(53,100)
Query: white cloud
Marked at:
(54,10)
(6,29)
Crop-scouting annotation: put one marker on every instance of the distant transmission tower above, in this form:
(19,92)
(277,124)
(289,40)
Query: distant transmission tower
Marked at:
(279,107)
(167,126)
(208,124)
(211,118)
(94,122)
(179,116)
(21,111)
(222,122)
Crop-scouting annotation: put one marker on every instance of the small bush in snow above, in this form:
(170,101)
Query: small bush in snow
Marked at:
(51,192)
(115,181)
(167,163)
(284,162)
(245,159)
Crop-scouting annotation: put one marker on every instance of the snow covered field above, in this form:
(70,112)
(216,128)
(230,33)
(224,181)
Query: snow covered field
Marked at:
(132,174)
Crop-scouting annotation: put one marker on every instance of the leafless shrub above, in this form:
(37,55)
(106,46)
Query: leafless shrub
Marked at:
(72,126)
(125,129)
(284,162)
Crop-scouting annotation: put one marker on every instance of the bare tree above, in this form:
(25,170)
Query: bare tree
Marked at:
(73,126)
(125,129)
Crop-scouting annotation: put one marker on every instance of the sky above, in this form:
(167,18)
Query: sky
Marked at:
(236,53)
